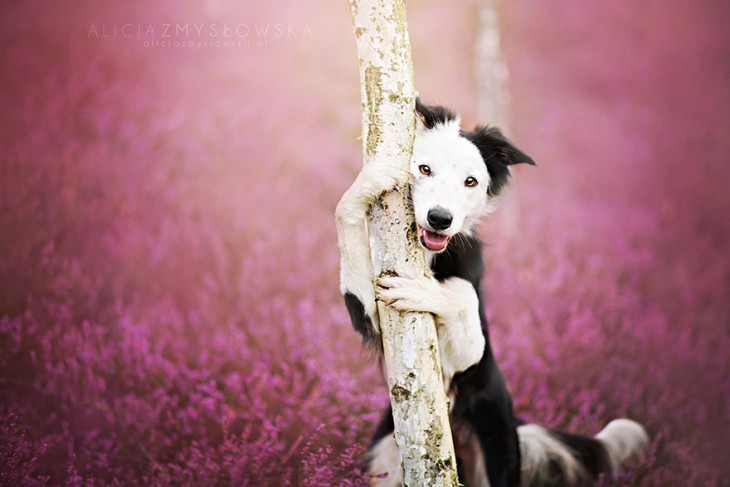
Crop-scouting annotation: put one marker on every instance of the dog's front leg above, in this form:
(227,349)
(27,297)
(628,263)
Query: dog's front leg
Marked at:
(455,306)
(356,271)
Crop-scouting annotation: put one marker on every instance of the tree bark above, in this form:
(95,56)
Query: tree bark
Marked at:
(412,363)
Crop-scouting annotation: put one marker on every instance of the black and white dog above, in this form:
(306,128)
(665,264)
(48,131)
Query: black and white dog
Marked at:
(455,176)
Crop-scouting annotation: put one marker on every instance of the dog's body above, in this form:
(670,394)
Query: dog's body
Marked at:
(455,176)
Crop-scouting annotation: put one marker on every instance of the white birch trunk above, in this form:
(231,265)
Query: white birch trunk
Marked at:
(413,368)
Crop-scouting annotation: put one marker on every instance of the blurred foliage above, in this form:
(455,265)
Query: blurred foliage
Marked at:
(168,295)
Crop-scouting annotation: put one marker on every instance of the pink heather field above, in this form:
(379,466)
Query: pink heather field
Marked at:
(169,302)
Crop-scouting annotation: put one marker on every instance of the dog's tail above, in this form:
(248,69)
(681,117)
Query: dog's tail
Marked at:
(560,458)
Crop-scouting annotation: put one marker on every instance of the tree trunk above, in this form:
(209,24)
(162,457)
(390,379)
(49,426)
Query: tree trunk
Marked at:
(492,73)
(413,368)
(493,97)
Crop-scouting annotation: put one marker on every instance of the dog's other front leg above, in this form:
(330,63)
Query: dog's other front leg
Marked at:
(455,306)
(484,404)
(356,270)
(493,420)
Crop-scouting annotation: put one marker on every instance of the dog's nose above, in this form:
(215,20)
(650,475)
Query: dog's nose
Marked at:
(439,218)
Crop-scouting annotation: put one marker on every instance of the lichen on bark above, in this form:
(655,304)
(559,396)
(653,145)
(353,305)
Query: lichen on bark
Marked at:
(374,89)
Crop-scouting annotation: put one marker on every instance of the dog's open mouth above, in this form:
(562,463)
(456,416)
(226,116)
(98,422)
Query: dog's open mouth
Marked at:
(431,240)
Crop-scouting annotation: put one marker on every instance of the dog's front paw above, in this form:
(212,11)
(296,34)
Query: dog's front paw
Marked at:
(377,178)
(409,294)
(374,180)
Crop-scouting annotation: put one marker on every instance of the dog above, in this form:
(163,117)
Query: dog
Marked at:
(455,177)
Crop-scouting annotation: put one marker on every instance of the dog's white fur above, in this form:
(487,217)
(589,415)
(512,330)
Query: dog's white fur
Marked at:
(452,159)
(455,307)
(385,469)
(539,448)
(352,231)
(454,302)
(623,438)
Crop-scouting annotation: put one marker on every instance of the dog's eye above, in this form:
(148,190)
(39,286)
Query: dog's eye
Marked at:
(470,182)
(424,169)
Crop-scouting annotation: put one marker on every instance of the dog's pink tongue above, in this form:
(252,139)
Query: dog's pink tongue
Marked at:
(434,241)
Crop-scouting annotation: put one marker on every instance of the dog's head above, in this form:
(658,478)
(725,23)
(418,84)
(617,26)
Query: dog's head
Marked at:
(456,174)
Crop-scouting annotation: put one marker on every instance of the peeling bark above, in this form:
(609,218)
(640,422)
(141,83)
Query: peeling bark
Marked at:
(413,368)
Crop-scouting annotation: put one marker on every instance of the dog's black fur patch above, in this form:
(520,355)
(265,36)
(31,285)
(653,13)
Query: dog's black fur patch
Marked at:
(498,154)
(361,321)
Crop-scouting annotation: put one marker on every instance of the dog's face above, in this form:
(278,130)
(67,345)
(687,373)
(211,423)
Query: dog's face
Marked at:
(456,174)
(450,182)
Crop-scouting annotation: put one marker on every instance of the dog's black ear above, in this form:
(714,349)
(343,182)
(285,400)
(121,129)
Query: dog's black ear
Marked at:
(428,116)
(493,143)
(498,154)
